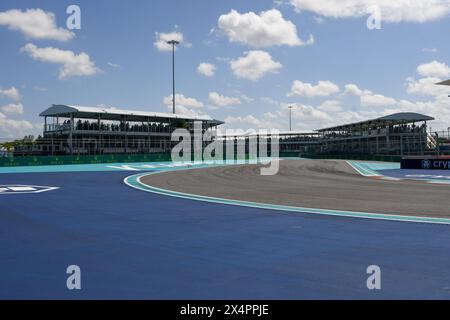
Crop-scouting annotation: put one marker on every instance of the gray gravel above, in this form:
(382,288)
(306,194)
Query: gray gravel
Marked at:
(324,184)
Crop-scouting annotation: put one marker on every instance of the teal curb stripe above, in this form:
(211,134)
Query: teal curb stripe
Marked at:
(134,181)
(363,170)
(135,166)
(370,170)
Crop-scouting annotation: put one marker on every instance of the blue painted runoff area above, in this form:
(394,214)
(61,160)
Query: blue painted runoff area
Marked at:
(137,245)
(436,176)
(392,170)
(131,244)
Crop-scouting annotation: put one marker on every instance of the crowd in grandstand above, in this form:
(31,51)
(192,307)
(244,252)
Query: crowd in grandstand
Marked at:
(409,129)
(392,129)
(119,127)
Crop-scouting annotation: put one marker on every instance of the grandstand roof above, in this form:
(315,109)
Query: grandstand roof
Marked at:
(62,110)
(444,83)
(262,133)
(393,119)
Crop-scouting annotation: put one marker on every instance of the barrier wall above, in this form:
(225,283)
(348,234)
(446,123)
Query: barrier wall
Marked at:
(426,163)
(61,160)
(156,157)
(366,157)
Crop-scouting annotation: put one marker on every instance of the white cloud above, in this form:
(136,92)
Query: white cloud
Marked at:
(223,59)
(432,73)
(162,38)
(40,89)
(254,65)
(184,105)
(206,69)
(307,113)
(322,89)
(181,100)
(245,98)
(11,93)
(269,28)
(307,117)
(434,69)
(249,122)
(14,128)
(35,24)
(71,64)
(439,107)
(330,106)
(13,108)
(426,87)
(332,112)
(304,117)
(182,110)
(352,89)
(319,20)
(391,11)
(430,50)
(114,65)
(186,111)
(268,100)
(222,101)
(368,98)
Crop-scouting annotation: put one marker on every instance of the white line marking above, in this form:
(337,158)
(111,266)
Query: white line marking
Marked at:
(391,178)
(439,181)
(22,189)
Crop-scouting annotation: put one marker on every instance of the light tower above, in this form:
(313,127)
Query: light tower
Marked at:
(290,118)
(173,43)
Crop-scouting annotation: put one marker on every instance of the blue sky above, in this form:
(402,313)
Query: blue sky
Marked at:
(319,56)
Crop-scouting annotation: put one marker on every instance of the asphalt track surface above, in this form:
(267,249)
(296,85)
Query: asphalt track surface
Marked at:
(132,244)
(322,184)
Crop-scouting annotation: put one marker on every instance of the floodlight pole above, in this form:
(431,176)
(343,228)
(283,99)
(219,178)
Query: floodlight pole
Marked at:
(290,118)
(173,43)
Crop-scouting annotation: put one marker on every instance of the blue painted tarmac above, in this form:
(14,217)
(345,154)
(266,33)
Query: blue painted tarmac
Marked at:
(131,244)
(418,174)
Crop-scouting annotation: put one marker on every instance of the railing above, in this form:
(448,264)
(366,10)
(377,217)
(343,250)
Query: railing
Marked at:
(50,145)
(431,141)
(441,141)
(56,127)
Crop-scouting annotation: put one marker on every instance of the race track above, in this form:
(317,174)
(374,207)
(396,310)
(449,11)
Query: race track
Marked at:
(323,184)
(136,245)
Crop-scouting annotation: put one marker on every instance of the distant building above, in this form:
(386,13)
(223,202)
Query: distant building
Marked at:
(3,153)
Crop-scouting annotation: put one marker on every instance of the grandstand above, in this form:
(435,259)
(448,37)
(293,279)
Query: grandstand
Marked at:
(402,133)
(76,130)
(396,134)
